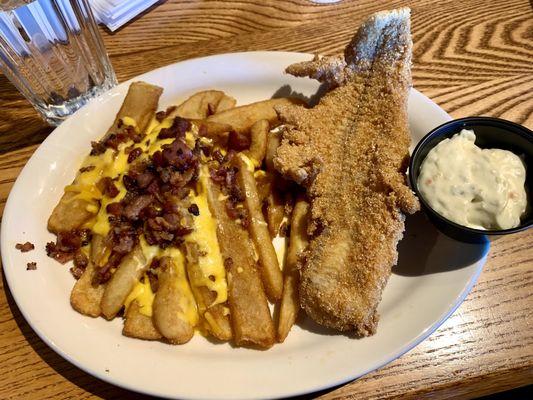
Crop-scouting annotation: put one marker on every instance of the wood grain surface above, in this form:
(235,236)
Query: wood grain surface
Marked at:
(472,57)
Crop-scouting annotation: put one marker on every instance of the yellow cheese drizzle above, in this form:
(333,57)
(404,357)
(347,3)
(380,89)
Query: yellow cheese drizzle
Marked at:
(205,236)
(114,165)
(142,292)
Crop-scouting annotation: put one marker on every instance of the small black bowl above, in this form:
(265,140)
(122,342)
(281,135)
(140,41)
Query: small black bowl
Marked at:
(490,133)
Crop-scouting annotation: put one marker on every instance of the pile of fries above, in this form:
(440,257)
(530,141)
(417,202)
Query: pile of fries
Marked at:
(170,222)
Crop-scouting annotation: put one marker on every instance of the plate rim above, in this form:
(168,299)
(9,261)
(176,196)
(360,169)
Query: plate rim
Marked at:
(385,359)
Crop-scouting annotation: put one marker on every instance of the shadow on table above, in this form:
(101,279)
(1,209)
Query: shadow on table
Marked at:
(424,250)
(63,367)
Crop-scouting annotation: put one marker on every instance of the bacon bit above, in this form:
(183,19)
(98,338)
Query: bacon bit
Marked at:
(144,179)
(87,168)
(80,264)
(153,280)
(170,110)
(129,183)
(31,266)
(97,148)
(194,210)
(76,272)
(176,130)
(114,208)
(24,248)
(80,260)
(160,116)
(228,262)
(107,187)
(238,141)
(113,140)
(135,153)
(67,244)
(133,210)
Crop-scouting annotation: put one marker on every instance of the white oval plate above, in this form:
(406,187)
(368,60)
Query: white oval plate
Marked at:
(433,276)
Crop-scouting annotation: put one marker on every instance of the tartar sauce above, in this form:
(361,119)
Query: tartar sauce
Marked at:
(477,188)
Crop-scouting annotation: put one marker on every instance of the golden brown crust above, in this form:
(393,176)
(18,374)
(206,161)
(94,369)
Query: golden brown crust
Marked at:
(85,297)
(139,326)
(349,152)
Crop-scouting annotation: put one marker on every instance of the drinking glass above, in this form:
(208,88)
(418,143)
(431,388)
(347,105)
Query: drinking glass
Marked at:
(52,52)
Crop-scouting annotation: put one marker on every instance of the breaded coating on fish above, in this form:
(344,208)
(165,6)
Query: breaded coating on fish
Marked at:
(351,152)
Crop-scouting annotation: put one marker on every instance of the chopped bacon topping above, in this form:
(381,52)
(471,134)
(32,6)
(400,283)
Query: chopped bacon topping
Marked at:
(238,141)
(224,174)
(113,140)
(25,247)
(67,244)
(87,168)
(176,130)
(134,154)
(156,204)
(161,115)
(107,186)
(31,266)
(228,262)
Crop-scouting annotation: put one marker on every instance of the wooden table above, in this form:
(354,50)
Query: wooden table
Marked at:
(473,57)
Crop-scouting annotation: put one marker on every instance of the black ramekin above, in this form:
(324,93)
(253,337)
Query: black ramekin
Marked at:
(490,133)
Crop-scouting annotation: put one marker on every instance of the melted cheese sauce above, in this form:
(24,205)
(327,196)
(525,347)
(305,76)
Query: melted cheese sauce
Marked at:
(477,188)
(142,291)
(205,236)
(114,164)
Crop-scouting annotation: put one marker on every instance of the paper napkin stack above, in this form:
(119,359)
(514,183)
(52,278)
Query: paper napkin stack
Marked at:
(115,13)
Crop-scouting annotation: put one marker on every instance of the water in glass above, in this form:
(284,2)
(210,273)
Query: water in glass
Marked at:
(52,52)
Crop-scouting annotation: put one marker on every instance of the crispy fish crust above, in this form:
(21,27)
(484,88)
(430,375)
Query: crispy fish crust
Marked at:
(350,152)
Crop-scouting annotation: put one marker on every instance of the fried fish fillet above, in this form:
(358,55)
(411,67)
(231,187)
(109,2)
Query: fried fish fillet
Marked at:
(350,152)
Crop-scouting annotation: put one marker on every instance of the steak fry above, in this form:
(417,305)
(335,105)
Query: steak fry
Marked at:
(249,313)
(350,152)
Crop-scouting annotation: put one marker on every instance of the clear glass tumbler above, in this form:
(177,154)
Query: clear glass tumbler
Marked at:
(52,52)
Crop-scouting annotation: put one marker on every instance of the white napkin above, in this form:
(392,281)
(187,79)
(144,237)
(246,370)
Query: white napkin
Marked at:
(115,13)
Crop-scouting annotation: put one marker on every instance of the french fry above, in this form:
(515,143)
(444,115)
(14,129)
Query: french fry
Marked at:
(275,212)
(250,316)
(200,105)
(139,326)
(290,303)
(270,271)
(215,317)
(69,213)
(242,118)
(258,145)
(99,251)
(140,104)
(225,103)
(213,130)
(128,273)
(172,303)
(86,297)
(264,181)
(273,142)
